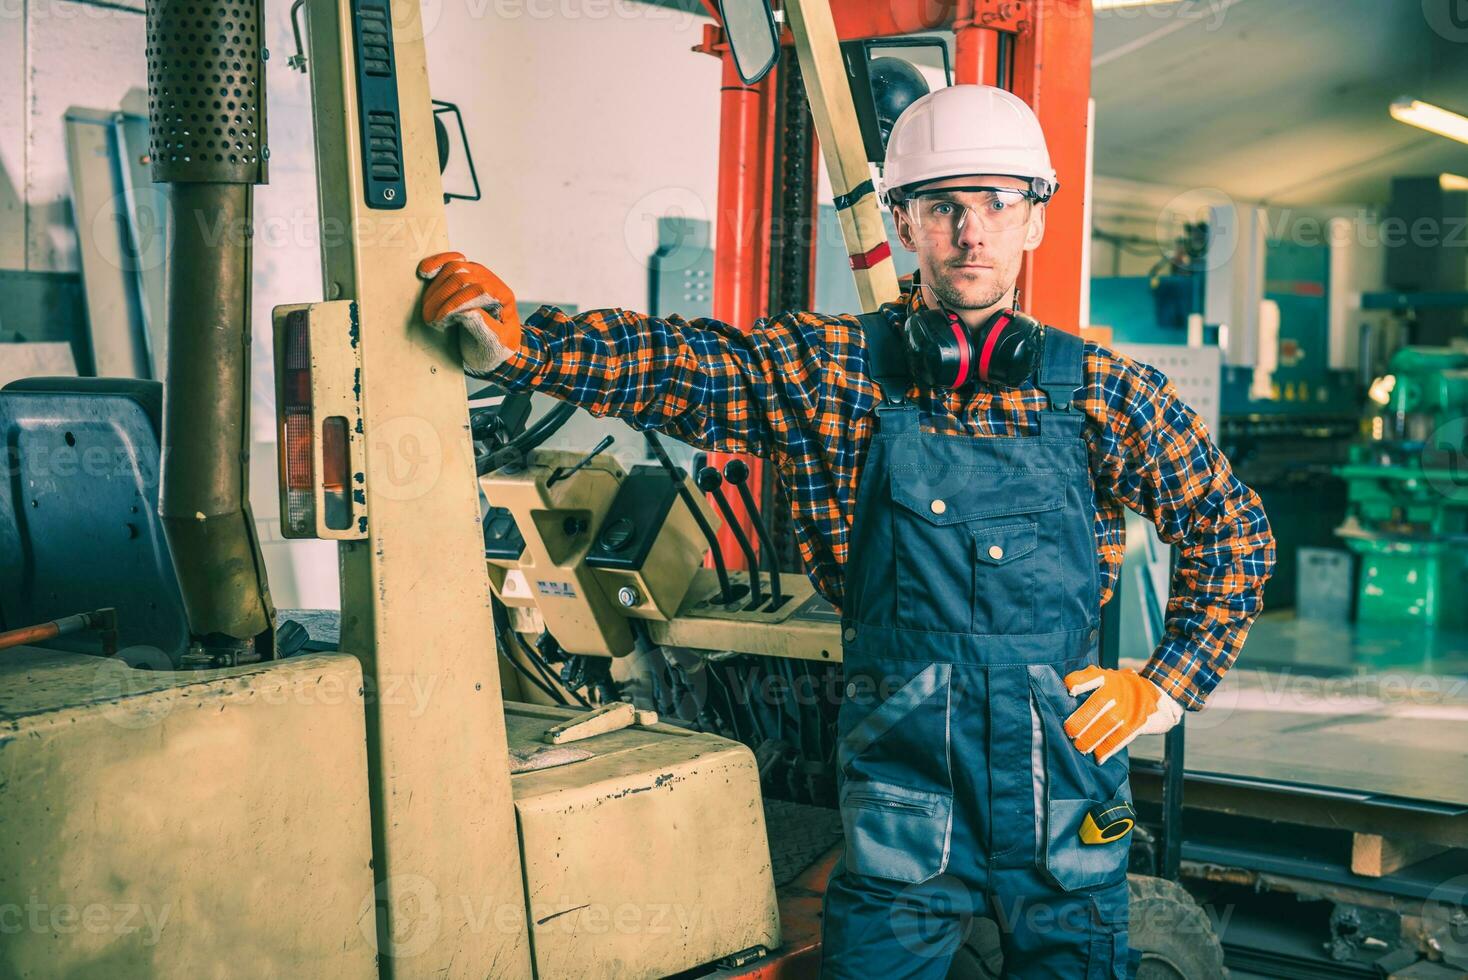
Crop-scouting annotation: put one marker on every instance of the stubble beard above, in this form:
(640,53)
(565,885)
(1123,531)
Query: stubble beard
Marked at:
(949,295)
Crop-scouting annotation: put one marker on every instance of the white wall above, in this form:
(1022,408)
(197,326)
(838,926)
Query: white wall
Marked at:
(14,125)
(54,54)
(587,118)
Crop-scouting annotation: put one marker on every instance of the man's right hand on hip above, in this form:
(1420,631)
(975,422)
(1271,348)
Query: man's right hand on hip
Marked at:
(467,296)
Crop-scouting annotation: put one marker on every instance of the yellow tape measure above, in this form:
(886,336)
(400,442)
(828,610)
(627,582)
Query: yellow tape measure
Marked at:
(1108,822)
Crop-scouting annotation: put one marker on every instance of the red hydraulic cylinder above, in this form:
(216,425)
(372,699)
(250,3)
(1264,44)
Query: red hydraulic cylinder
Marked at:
(975,49)
(742,236)
(1052,72)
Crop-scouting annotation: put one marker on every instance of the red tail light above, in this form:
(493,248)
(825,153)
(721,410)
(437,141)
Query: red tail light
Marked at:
(295,449)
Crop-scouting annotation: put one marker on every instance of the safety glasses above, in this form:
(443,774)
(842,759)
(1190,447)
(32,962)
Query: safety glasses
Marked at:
(946,211)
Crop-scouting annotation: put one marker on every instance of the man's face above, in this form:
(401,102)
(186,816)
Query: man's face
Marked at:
(970,267)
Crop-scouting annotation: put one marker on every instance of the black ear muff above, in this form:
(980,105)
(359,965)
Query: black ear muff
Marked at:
(946,355)
(939,347)
(1008,348)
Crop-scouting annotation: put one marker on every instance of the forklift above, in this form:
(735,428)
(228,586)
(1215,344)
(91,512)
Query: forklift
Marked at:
(521,750)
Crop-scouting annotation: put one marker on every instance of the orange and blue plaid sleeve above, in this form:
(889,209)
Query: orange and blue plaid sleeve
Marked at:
(699,380)
(1155,457)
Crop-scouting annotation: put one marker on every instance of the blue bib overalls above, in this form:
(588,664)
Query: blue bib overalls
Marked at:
(971,590)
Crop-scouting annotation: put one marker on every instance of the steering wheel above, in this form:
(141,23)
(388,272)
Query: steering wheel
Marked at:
(499,432)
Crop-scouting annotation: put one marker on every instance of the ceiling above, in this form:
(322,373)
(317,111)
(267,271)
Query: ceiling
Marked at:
(1278,101)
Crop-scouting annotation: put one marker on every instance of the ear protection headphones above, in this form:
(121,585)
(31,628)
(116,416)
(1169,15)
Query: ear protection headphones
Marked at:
(945,354)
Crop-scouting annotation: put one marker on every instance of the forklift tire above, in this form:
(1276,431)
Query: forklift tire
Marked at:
(1170,929)
(1173,932)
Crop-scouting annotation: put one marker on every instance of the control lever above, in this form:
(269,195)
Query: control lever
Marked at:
(562,472)
(726,594)
(709,481)
(736,471)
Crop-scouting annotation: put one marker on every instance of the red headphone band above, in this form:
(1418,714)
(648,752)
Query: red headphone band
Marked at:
(1001,320)
(960,339)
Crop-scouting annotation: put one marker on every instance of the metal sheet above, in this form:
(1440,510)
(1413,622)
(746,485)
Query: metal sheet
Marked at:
(1392,736)
(32,360)
(98,208)
(39,306)
(150,233)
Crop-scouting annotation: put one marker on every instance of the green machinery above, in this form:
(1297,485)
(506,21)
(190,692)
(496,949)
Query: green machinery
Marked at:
(1407,511)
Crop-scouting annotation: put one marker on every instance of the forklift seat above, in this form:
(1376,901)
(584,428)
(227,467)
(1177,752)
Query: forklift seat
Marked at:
(79,525)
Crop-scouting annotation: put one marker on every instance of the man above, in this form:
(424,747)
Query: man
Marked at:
(968,535)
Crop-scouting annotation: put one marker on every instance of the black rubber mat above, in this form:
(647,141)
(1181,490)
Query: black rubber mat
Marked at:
(799,834)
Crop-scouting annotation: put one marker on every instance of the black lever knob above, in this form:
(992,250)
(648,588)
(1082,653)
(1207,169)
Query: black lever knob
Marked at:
(709,481)
(736,471)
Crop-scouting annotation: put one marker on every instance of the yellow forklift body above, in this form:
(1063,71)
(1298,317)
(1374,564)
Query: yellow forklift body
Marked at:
(184,824)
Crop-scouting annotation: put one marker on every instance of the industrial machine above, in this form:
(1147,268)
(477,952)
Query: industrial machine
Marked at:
(1408,493)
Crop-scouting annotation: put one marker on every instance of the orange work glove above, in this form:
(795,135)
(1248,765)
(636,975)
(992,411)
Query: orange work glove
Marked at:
(469,297)
(1123,704)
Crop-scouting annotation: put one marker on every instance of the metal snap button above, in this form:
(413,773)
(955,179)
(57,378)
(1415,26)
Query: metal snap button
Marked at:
(849,634)
(996,552)
(851,690)
(938,506)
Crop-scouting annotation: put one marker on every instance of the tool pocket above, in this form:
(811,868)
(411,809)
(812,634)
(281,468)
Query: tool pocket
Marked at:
(896,792)
(1073,864)
(965,557)
(896,832)
(1070,784)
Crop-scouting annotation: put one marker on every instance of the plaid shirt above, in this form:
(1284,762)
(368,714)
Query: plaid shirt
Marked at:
(795,390)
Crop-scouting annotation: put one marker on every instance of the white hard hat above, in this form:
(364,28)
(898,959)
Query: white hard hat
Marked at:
(966,129)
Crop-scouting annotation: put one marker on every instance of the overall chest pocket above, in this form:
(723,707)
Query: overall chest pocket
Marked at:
(969,548)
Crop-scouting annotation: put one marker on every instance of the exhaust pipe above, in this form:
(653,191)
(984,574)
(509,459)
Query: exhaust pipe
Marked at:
(206,114)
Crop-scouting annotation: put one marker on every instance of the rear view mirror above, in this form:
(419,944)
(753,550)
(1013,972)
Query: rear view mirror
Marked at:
(885,80)
(750,27)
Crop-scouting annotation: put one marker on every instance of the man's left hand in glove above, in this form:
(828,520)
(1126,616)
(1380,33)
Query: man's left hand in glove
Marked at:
(468,296)
(1123,704)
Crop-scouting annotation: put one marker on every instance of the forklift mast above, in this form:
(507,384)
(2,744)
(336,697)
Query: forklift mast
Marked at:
(414,587)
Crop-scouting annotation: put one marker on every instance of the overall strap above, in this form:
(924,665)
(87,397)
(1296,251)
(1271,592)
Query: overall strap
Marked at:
(1061,368)
(886,357)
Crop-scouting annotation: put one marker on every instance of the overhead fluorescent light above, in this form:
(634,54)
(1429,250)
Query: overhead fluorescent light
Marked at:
(1434,119)
(1452,182)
